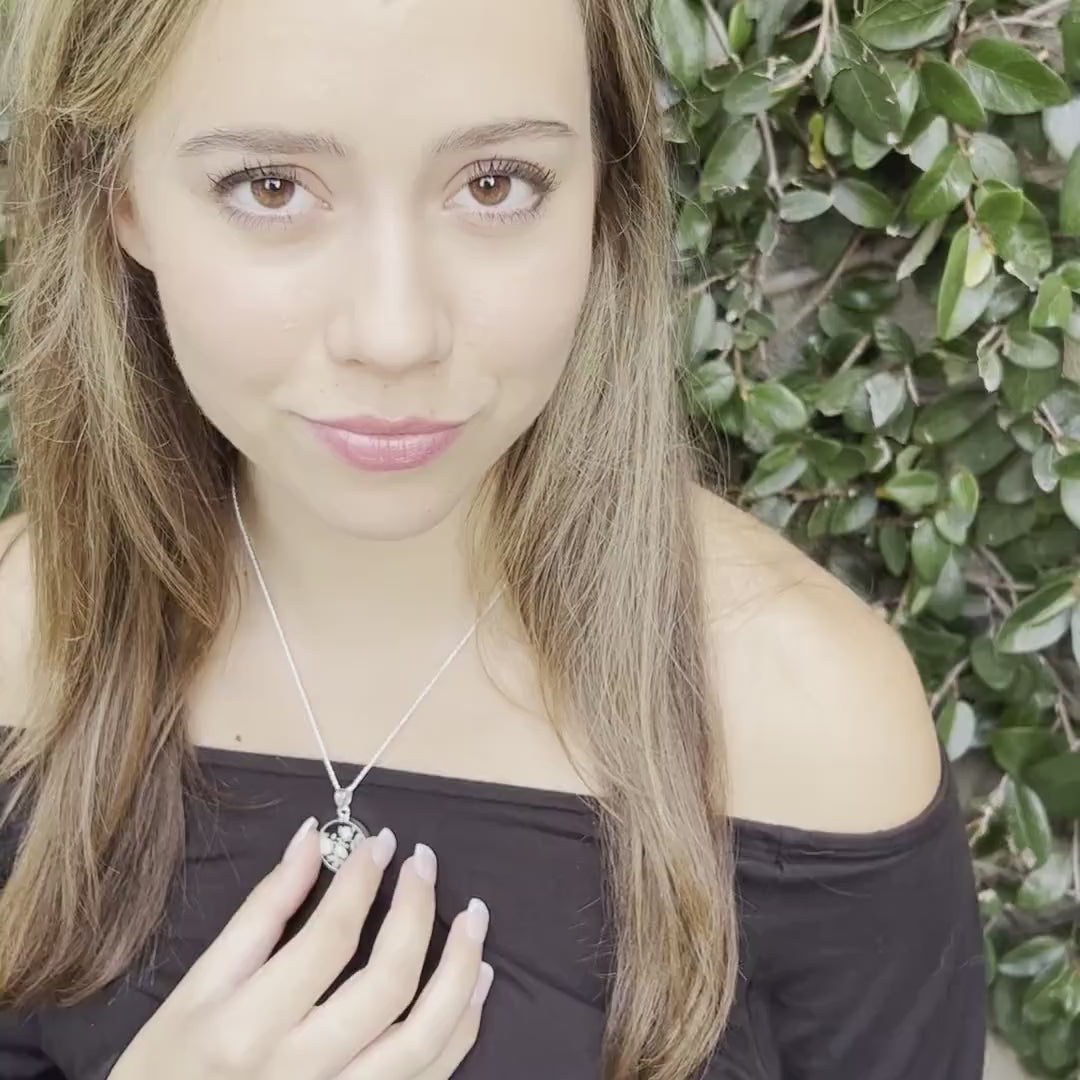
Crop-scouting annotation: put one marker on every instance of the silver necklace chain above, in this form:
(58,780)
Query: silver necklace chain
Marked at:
(338,837)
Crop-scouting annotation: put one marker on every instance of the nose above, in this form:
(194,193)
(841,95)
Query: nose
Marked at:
(391,313)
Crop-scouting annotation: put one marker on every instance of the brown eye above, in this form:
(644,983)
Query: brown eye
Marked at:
(272,192)
(492,189)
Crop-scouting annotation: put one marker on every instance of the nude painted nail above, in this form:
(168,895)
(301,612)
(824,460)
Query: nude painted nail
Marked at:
(298,838)
(476,922)
(424,863)
(382,851)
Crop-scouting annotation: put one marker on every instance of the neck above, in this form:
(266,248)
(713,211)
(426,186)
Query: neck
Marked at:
(363,591)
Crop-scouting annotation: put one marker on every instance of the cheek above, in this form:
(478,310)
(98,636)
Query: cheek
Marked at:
(522,313)
(229,324)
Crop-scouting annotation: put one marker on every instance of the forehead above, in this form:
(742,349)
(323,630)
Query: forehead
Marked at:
(387,71)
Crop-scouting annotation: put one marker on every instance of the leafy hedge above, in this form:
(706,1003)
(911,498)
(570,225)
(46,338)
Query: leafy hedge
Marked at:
(891,195)
(911,170)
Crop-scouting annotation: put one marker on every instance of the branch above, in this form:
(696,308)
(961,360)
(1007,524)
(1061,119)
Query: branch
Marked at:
(822,294)
(828,16)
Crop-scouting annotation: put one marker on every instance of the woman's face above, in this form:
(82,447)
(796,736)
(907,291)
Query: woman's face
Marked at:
(428,258)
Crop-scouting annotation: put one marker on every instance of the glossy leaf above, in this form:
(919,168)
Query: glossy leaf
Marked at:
(863,204)
(1008,79)
(948,92)
(959,306)
(903,24)
(942,188)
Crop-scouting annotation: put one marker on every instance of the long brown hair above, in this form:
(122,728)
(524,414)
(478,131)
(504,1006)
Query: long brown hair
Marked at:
(124,481)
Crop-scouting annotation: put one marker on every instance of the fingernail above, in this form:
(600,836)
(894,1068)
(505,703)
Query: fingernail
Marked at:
(382,851)
(476,922)
(483,983)
(425,863)
(298,838)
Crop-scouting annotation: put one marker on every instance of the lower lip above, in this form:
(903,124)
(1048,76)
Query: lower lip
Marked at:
(385,453)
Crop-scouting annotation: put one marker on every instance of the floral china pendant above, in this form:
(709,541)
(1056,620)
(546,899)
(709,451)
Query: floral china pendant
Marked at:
(339,837)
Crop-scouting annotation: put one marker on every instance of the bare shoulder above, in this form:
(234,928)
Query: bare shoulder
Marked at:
(16,603)
(826,722)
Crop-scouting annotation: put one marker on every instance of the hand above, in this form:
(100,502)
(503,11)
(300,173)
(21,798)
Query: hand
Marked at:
(237,1015)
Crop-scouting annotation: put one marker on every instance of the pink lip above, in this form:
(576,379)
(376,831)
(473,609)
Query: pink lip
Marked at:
(384,453)
(376,425)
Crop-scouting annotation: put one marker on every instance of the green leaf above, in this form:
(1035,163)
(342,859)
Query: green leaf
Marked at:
(774,406)
(1069,211)
(866,96)
(958,306)
(924,147)
(803,204)
(892,543)
(1069,493)
(775,471)
(954,520)
(1034,955)
(865,153)
(948,93)
(1027,349)
(863,204)
(903,24)
(992,159)
(956,728)
(1024,388)
(838,392)
(893,340)
(887,393)
(929,551)
(694,228)
(1025,245)
(751,91)
(1047,884)
(740,29)
(1061,125)
(1007,79)
(678,28)
(1053,306)
(949,417)
(852,515)
(979,262)
(942,188)
(1016,749)
(920,251)
(1057,780)
(1070,40)
(999,210)
(1039,619)
(732,158)
(913,490)
(1029,829)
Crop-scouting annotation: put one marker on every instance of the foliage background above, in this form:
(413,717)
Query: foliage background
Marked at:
(879,229)
(879,225)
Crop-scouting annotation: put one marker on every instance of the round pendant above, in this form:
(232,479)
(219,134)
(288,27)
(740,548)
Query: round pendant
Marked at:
(337,839)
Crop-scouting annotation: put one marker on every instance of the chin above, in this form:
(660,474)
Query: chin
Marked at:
(399,511)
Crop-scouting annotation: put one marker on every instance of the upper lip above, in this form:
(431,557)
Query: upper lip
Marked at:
(377,425)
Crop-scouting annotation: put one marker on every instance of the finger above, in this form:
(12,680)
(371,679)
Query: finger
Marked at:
(256,926)
(408,1048)
(371,999)
(281,993)
(464,1036)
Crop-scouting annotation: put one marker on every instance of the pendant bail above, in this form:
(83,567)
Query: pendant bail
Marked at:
(343,802)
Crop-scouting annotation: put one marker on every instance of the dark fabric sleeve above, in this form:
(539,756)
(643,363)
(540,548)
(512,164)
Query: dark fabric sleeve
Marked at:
(21,1056)
(868,948)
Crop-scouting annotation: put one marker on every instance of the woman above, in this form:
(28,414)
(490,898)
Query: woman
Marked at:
(673,805)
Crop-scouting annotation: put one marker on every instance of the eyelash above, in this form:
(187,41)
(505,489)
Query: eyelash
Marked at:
(543,179)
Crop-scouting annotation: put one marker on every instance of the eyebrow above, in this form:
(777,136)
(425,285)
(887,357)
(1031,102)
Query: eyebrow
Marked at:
(263,140)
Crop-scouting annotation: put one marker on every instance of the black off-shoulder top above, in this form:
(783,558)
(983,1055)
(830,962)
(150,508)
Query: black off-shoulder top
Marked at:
(861,957)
